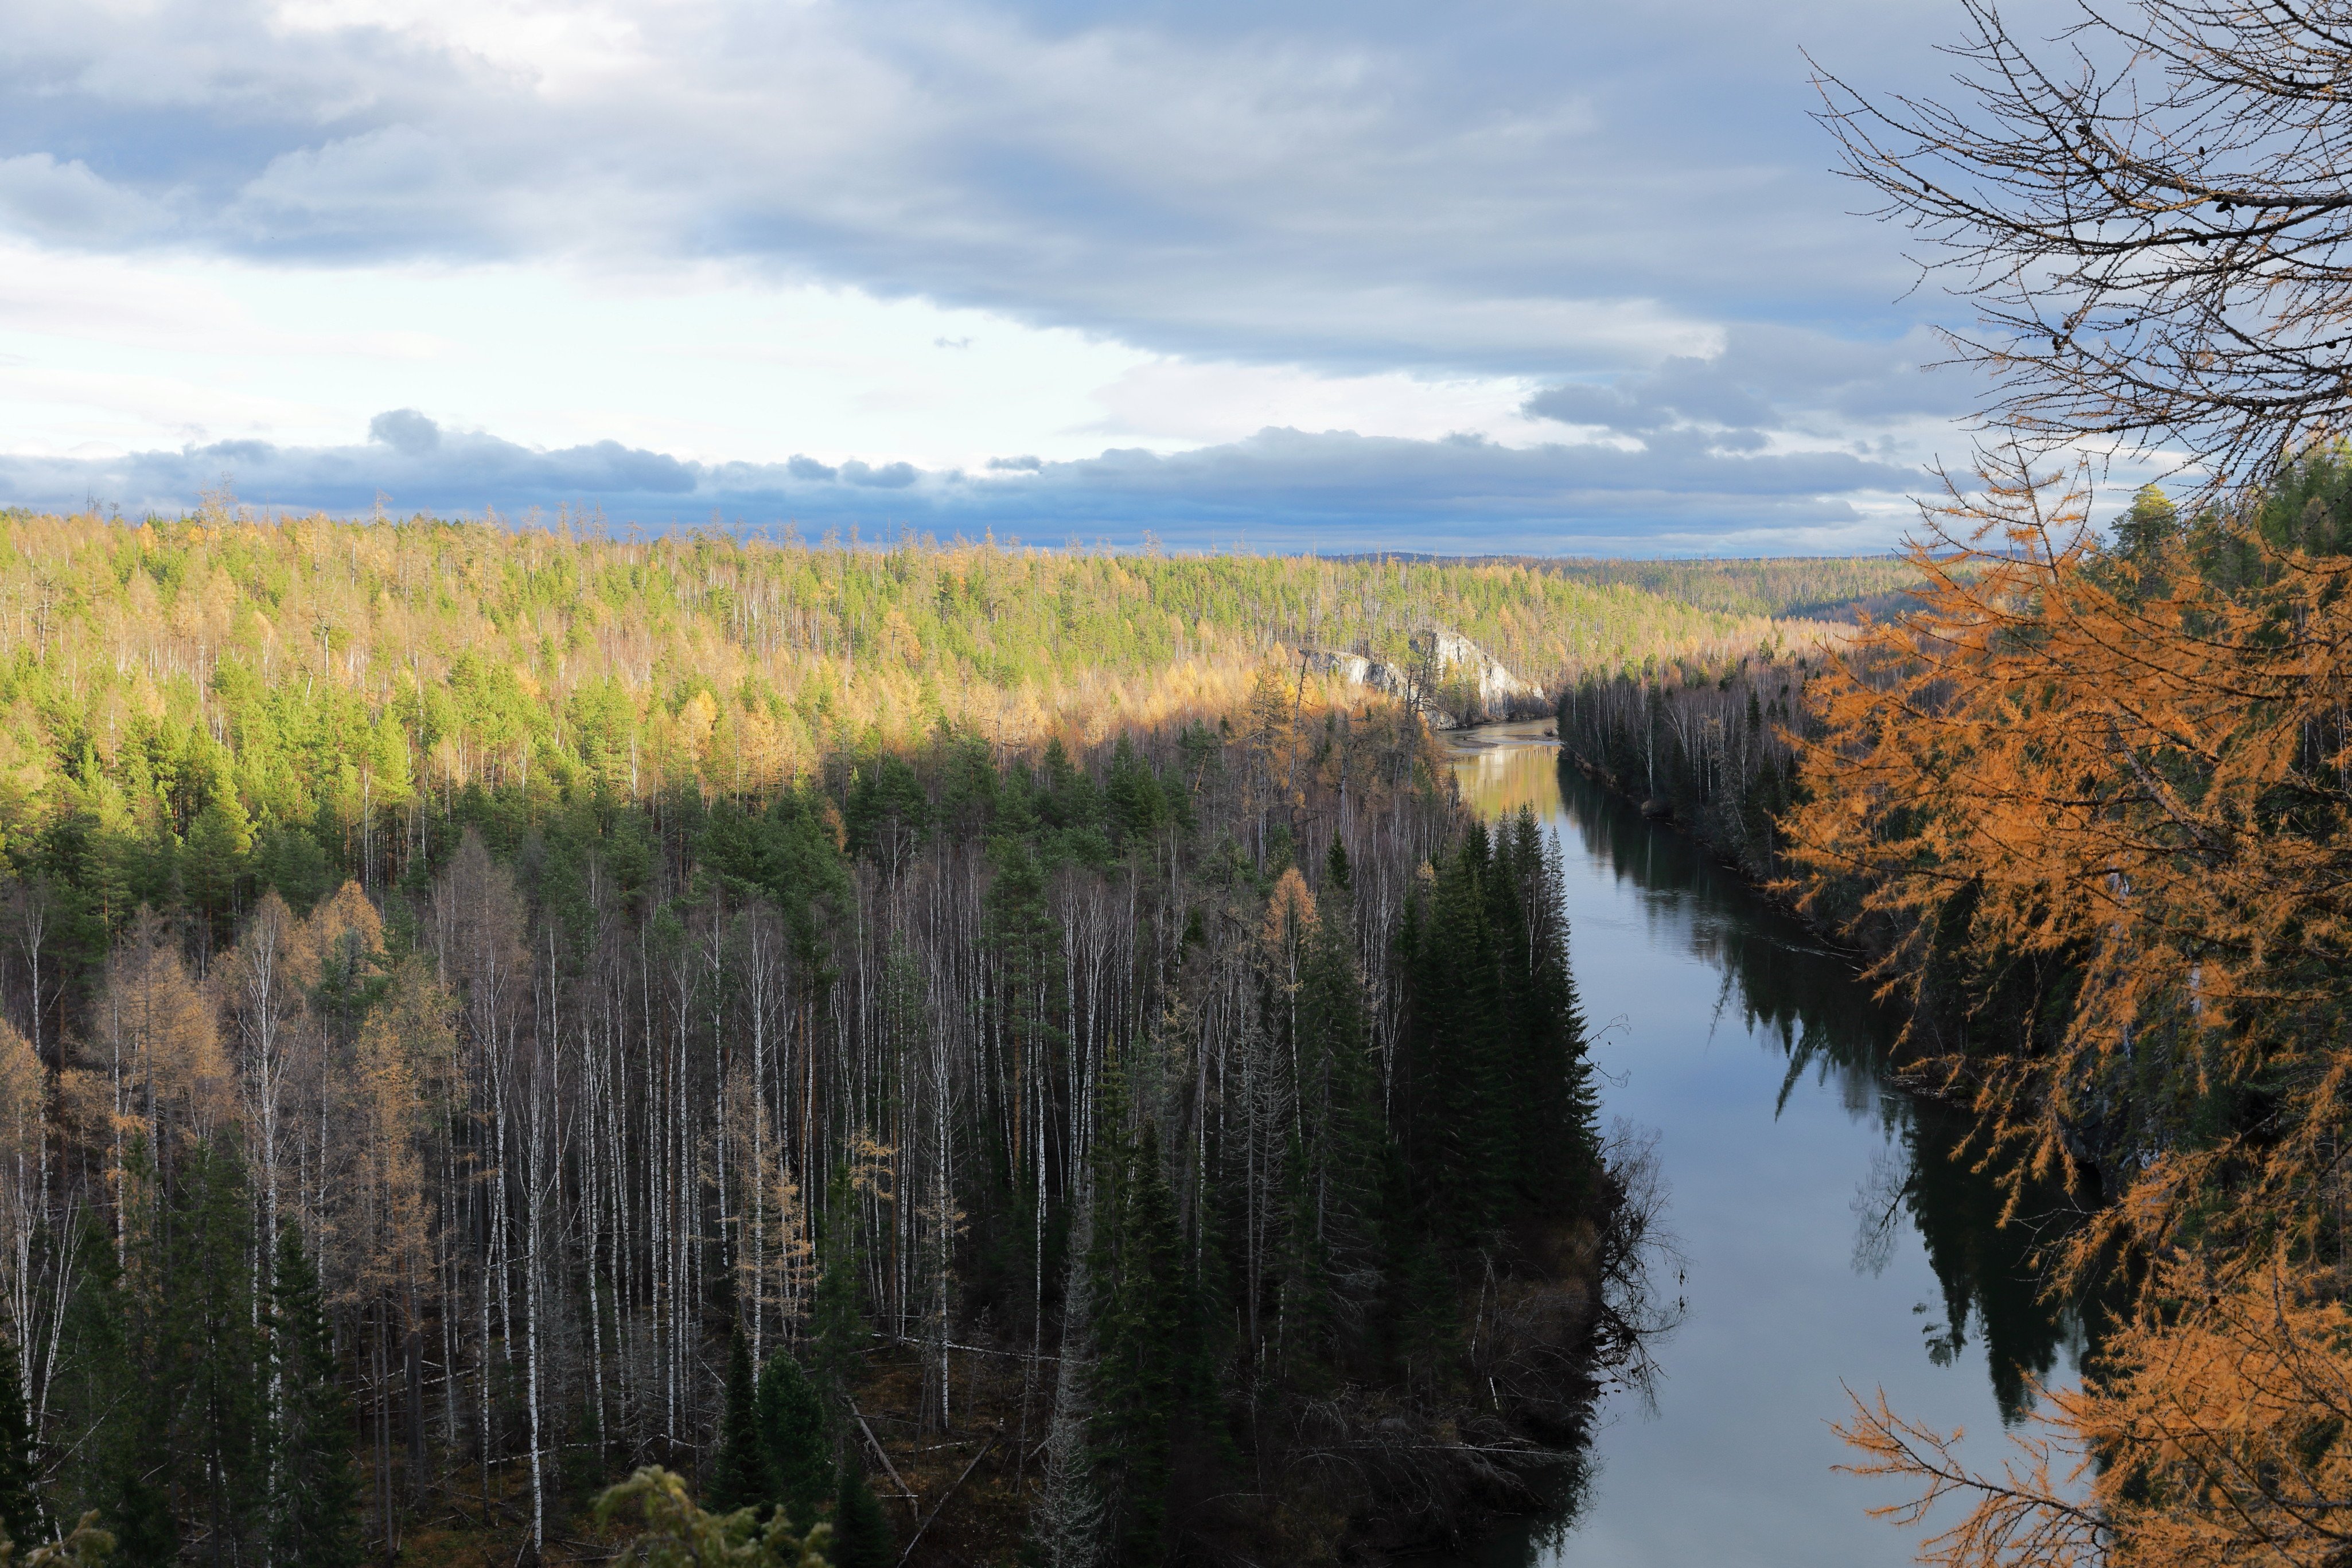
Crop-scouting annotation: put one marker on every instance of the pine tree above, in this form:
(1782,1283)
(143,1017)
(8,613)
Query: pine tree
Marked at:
(21,1514)
(314,1506)
(862,1537)
(742,1477)
(797,1437)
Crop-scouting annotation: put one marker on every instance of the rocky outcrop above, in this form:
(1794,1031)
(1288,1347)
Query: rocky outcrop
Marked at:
(1452,680)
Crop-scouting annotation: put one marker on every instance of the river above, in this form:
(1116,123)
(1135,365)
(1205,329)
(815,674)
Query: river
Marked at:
(1826,1239)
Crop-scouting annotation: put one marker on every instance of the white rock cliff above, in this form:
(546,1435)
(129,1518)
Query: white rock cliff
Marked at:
(1453,682)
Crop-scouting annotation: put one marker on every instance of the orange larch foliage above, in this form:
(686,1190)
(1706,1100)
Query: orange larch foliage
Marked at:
(2133,767)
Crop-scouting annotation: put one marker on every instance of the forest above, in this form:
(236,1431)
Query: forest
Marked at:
(487,1011)
(1799,588)
(478,653)
(1714,748)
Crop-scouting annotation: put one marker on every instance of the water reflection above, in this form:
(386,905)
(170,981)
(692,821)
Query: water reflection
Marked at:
(1827,1221)
(1803,1000)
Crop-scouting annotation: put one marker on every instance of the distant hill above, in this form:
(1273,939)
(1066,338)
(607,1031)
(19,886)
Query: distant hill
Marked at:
(312,664)
(1812,588)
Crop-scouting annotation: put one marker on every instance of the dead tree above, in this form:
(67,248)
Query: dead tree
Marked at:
(2152,215)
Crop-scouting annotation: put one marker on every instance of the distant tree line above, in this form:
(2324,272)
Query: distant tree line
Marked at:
(1717,748)
(309,682)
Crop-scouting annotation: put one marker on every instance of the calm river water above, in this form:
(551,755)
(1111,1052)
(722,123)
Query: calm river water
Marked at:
(1827,1240)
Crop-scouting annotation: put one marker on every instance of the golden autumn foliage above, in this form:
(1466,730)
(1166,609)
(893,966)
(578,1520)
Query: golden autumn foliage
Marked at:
(2122,774)
(2213,1438)
(310,670)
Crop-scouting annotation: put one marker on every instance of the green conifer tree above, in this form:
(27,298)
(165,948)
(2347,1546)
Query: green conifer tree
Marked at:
(211,1364)
(862,1537)
(837,1318)
(797,1437)
(21,1514)
(1457,1128)
(110,1429)
(2151,520)
(742,1478)
(1139,1281)
(1329,1246)
(314,1505)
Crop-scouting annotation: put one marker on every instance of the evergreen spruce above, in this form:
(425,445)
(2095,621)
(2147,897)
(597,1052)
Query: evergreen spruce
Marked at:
(1457,1131)
(210,1364)
(797,1437)
(101,1394)
(21,1514)
(1329,1246)
(862,1537)
(1139,1280)
(314,1506)
(837,1320)
(742,1477)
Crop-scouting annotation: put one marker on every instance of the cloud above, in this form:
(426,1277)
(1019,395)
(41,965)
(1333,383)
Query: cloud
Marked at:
(1770,378)
(406,431)
(889,477)
(1315,237)
(1279,488)
(65,202)
(1516,191)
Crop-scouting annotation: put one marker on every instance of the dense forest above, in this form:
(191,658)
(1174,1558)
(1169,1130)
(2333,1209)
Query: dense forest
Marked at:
(485,1011)
(1717,748)
(532,658)
(1815,588)
(1802,588)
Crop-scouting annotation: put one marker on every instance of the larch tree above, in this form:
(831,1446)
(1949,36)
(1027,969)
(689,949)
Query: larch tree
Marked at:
(2130,768)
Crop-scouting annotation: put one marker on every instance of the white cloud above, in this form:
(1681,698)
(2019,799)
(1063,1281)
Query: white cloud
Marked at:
(1174,404)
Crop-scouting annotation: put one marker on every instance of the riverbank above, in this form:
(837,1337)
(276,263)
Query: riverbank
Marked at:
(1776,889)
(1825,1238)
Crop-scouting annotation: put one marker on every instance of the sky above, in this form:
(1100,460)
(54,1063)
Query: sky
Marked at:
(1569,277)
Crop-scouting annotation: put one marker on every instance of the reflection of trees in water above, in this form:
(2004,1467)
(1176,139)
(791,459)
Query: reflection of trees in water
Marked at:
(1790,990)
(1983,1267)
